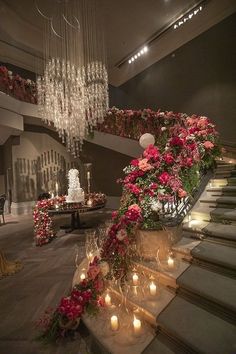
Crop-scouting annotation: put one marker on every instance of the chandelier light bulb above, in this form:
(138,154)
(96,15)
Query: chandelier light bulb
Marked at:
(145,49)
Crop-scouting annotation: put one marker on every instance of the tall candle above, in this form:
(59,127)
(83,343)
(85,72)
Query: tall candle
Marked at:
(108,300)
(88,175)
(114,323)
(89,203)
(170,262)
(137,326)
(135,279)
(153,289)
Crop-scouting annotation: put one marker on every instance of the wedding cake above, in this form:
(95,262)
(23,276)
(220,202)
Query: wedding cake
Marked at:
(75,193)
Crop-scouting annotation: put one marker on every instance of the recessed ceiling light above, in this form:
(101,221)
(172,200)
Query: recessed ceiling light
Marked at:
(135,57)
(145,49)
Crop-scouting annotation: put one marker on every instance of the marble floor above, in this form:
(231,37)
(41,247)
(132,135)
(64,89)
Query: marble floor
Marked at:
(46,276)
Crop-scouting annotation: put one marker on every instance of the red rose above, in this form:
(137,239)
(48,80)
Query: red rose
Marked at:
(164,178)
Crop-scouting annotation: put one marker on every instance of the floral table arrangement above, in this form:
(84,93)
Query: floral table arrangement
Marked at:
(43,225)
(167,172)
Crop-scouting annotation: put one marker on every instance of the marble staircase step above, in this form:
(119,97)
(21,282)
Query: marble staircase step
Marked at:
(104,341)
(218,255)
(148,306)
(208,214)
(232,181)
(227,190)
(212,286)
(229,201)
(167,277)
(212,229)
(218,182)
(198,329)
(162,345)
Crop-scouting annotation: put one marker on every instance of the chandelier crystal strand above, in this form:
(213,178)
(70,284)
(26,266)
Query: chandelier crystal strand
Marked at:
(73,90)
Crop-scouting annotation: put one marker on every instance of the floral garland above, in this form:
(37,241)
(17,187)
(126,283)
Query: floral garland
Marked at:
(43,227)
(166,172)
(16,86)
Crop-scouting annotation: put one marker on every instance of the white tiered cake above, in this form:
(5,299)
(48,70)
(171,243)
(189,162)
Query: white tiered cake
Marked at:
(75,193)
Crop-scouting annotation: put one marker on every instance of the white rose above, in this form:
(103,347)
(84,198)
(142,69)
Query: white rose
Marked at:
(121,234)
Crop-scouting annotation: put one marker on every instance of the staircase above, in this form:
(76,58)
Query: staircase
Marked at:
(194,310)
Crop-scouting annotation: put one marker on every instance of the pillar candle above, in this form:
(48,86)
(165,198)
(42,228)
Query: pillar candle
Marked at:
(114,323)
(137,326)
(153,289)
(108,300)
(135,279)
(170,262)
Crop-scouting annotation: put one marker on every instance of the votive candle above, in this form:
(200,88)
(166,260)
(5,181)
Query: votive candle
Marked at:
(108,300)
(114,323)
(90,256)
(137,325)
(135,279)
(170,262)
(153,288)
(82,276)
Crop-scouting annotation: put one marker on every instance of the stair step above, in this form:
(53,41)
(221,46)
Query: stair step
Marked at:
(207,214)
(221,230)
(161,345)
(222,190)
(184,247)
(149,306)
(166,278)
(232,181)
(219,255)
(122,341)
(225,200)
(200,330)
(223,214)
(212,229)
(219,182)
(213,286)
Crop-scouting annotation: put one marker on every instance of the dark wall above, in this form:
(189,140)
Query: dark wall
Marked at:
(199,77)
(107,167)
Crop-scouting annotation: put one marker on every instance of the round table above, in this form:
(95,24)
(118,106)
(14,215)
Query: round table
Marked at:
(75,212)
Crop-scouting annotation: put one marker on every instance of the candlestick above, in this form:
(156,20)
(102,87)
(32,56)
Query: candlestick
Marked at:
(153,289)
(108,300)
(114,323)
(170,262)
(88,175)
(52,195)
(137,326)
(135,279)
(82,276)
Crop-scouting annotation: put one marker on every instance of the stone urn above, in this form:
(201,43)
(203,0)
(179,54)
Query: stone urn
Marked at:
(152,242)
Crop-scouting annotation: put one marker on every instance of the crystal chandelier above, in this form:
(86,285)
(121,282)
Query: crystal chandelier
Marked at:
(73,90)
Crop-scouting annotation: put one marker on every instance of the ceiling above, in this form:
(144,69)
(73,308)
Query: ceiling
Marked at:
(128,25)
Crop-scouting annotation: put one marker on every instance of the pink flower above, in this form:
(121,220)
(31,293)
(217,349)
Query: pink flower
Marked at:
(151,152)
(202,122)
(208,144)
(133,188)
(182,193)
(135,207)
(176,141)
(134,162)
(144,165)
(93,271)
(169,158)
(164,177)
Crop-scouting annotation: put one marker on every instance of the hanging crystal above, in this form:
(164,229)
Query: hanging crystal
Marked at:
(73,90)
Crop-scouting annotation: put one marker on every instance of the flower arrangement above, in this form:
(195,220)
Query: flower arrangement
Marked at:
(43,227)
(163,174)
(84,297)
(14,85)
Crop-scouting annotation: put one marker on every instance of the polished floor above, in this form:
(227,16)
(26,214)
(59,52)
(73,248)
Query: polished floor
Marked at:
(46,276)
